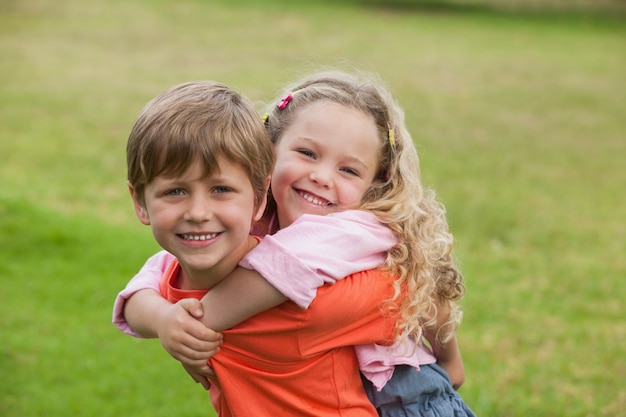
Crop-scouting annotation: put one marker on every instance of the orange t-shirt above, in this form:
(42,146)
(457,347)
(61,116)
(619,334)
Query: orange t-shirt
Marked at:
(292,362)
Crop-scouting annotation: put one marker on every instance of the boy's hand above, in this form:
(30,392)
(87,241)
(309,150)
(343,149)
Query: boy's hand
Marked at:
(202,375)
(188,340)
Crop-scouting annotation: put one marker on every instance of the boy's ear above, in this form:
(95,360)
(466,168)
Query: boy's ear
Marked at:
(140,209)
(261,209)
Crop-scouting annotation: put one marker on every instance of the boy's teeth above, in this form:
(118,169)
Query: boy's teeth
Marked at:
(199,237)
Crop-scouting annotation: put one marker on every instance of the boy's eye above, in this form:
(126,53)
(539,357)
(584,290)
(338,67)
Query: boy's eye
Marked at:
(222,189)
(174,191)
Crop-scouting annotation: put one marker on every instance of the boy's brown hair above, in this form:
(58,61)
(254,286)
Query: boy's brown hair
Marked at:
(198,120)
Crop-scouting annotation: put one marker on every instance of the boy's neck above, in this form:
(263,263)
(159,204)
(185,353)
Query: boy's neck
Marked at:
(190,279)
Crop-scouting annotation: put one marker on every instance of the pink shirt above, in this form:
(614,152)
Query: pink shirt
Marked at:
(316,250)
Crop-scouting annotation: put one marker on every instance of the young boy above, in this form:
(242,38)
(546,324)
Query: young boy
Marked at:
(199,163)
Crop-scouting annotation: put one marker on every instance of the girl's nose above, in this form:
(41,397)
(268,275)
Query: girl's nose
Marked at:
(322,176)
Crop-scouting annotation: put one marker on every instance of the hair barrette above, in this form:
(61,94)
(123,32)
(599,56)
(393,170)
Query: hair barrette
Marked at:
(392,135)
(284,101)
(265,118)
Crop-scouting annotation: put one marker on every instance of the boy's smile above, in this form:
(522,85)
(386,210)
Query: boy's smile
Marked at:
(325,161)
(204,222)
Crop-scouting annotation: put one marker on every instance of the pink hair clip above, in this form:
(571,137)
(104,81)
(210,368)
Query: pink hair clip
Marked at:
(285,100)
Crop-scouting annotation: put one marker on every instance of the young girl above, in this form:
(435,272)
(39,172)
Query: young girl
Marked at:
(317,162)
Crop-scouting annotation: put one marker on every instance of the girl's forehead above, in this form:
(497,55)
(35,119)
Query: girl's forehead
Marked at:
(322,106)
(328,113)
(331,125)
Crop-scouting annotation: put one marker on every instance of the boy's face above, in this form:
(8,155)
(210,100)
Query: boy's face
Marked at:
(325,161)
(204,222)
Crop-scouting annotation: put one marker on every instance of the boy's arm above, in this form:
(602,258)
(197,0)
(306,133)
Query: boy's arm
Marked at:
(296,261)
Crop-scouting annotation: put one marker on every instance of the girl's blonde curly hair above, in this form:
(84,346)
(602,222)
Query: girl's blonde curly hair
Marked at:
(428,285)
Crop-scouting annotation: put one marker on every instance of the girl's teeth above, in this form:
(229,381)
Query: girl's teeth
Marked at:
(314,200)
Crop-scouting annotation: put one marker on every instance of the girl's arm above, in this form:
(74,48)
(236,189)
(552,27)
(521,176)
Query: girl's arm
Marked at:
(449,358)
(147,278)
(295,261)
(448,354)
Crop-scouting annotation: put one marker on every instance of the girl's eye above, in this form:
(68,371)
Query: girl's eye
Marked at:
(351,171)
(306,152)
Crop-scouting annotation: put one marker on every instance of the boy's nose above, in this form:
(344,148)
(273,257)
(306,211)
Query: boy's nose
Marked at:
(198,210)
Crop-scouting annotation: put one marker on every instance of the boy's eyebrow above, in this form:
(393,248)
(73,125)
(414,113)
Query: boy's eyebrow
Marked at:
(352,158)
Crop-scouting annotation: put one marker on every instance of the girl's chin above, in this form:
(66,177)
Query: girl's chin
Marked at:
(312,211)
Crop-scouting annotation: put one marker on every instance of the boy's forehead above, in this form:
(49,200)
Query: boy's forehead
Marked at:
(219,167)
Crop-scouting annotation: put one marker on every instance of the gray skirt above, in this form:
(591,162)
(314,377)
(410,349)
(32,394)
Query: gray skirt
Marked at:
(411,393)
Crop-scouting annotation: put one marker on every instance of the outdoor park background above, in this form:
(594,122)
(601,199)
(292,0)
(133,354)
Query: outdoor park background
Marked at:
(517,109)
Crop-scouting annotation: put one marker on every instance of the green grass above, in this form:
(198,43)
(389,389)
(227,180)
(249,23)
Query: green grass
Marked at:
(520,123)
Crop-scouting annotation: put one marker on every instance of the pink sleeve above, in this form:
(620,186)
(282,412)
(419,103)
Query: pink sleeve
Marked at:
(377,362)
(316,250)
(147,278)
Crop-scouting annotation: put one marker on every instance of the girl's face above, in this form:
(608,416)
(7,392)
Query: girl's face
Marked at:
(325,161)
(203,221)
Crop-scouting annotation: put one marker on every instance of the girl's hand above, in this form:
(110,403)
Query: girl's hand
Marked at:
(455,369)
(449,358)
(449,354)
(188,340)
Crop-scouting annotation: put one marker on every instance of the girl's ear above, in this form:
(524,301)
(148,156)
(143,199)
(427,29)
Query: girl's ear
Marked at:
(140,208)
(261,209)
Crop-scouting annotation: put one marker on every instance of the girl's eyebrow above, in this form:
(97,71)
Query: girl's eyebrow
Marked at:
(357,161)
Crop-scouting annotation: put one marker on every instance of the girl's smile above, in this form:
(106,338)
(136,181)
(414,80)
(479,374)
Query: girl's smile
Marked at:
(314,199)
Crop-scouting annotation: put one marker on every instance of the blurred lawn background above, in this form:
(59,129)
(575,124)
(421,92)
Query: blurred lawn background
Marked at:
(517,109)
